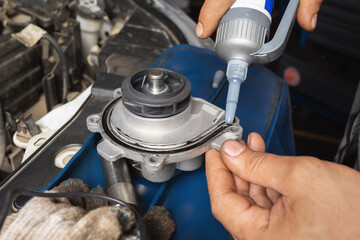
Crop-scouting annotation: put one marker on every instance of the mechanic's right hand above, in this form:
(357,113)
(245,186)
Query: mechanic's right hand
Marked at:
(258,195)
(213,10)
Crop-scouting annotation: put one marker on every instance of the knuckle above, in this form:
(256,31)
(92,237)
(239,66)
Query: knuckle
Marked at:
(255,161)
(291,170)
(218,207)
(306,168)
(310,164)
(214,203)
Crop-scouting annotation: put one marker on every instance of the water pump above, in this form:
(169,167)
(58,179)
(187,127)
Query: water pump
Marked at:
(155,124)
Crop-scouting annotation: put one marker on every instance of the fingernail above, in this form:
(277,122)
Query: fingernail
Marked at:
(314,21)
(199,30)
(233,148)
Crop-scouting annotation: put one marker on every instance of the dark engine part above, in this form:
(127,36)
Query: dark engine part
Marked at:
(2,137)
(147,32)
(326,65)
(21,72)
(156,93)
(28,71)
(70,43)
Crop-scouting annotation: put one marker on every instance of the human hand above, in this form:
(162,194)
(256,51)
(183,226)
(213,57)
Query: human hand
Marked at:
(213,10)
(258,195)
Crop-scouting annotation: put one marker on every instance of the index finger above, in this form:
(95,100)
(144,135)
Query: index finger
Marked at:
(307,14)
(233,210)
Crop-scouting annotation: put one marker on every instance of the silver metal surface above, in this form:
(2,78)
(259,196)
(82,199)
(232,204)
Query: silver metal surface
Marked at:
(156,74)
(118,180)
(162,145)
(156,83)
(197,120)
(124,191)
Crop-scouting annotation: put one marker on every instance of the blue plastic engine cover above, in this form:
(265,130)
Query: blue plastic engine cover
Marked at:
(263,107)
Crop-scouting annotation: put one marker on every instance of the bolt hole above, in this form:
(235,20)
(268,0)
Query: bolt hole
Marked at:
(95,119)
(64,156)
(154,159)
(234,129)
(117,92)
(20,200)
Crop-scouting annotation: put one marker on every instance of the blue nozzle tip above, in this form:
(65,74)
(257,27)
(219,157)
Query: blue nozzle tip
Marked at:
(230,112)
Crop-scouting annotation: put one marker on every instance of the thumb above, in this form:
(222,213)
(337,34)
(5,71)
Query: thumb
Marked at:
(307,14)
(264,169)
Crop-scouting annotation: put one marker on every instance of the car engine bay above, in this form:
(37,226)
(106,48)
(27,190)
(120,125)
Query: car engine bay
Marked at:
(121,95)
(96,37)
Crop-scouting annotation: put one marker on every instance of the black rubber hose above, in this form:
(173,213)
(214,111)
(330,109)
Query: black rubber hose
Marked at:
(2,137)
(65,68)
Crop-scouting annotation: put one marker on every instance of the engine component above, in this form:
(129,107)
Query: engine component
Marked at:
(90,16)
(218,77)
(133,31)
(154,122)
(55,80)
(2,137)
(118,180)
(159,94)
(20,69)
(30,35)
(27,126)
(64,155)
